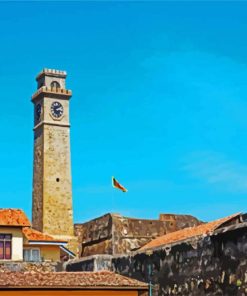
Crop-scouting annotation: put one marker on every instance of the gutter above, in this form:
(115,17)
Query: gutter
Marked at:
(47,243)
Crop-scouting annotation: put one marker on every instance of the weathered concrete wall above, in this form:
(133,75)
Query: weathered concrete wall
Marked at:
(95,236)
(180,221)
(114,234)
(91,263)
(215,265)
(130,234)
(208,266)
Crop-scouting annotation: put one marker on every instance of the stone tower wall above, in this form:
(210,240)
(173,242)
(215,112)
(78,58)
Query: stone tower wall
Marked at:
(37,206)
(57,207)
(52,189)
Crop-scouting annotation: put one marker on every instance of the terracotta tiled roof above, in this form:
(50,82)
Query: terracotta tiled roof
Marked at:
(35,235)
(186,233)
(13,217)
(82,280)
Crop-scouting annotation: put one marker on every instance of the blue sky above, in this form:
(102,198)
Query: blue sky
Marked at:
(159,101)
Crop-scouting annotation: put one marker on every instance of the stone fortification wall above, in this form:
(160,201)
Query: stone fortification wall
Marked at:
(130,234)
(180,221)
(90,263)
(114,234)
(94,237)
(213,265)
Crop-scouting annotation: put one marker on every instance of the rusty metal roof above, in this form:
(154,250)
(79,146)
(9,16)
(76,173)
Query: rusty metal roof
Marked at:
(78,280)
(13,217)
(186,233)
(35,235)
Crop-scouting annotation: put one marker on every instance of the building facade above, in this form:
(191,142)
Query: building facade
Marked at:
(19,242)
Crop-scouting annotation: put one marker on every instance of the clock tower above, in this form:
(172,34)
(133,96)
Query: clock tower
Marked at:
(52,193)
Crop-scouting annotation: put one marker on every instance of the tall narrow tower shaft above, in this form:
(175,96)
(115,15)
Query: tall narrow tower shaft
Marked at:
(52,192)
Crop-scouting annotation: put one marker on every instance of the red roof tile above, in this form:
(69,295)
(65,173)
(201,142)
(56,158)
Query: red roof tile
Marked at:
(13,217)
(82,280)
(186,233)
(35,235)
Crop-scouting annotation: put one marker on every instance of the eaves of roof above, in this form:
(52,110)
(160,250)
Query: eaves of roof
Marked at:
(35,236)
(187,234)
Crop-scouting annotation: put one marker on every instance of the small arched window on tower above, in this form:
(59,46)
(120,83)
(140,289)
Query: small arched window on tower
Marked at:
(55,84)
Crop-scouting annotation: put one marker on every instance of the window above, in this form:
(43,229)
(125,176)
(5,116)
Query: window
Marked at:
(31,255)
(55,84)
(5,246)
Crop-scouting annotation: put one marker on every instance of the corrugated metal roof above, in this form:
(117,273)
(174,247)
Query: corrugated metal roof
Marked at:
(186,233)
(13,217)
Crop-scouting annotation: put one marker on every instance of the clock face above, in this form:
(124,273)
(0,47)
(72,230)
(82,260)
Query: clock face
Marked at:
(38,111)
(56,109)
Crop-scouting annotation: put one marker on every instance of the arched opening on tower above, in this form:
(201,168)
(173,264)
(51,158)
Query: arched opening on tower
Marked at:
(55,84)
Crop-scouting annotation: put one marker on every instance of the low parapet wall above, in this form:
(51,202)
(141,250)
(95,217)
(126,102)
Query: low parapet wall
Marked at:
(90,263)
(30,266)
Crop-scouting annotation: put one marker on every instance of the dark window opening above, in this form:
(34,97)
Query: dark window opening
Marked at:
(57,179)
(5,246)
(55,84)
